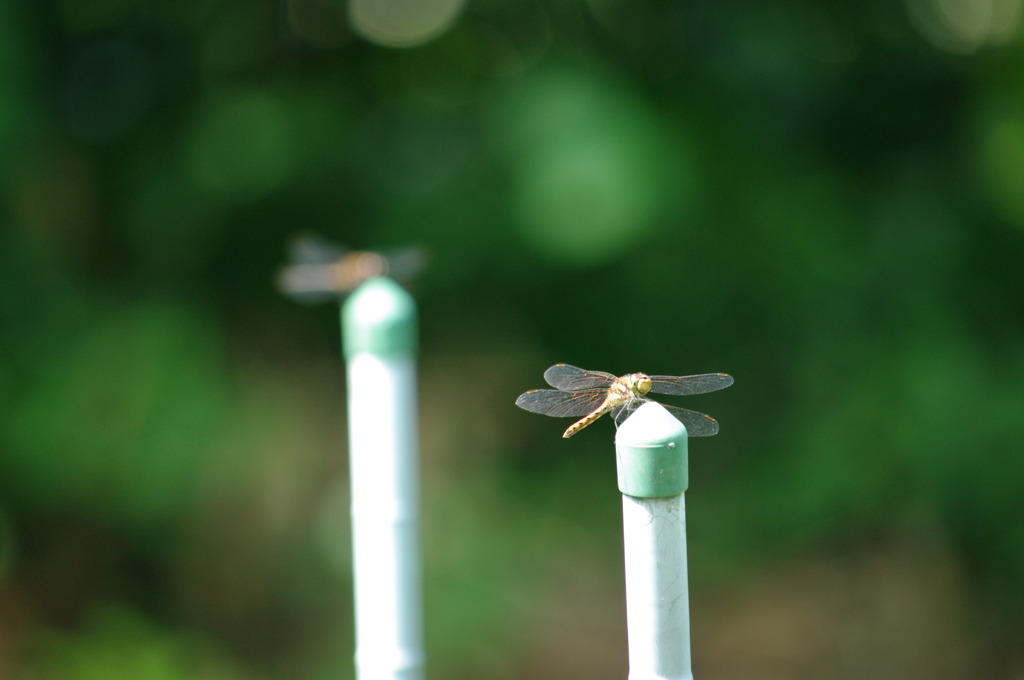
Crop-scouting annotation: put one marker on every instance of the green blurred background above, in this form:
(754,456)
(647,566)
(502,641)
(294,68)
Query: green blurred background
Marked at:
(826,201)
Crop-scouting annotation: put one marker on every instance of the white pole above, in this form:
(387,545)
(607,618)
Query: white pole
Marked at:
(379,328)
(651,450)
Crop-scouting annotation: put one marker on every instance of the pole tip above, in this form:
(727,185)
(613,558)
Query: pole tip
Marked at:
(379,318)
(652,453)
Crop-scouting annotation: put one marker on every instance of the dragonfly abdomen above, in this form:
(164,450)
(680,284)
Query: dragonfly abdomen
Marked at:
(587,419)
(618,394)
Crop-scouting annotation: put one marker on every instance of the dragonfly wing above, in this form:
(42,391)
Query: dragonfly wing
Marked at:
(309,248)
(568,378)
(697,424)
(561,404)
(689,384)
(404,264)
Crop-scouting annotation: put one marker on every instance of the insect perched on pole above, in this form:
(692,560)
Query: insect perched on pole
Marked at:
(591,394)
(379,339)
(321,271)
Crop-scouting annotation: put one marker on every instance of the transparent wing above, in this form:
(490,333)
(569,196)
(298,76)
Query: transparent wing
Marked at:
(310,248)
(309,276)
(697,424)
(321,271)
(689,384)
(561,404)
(406,263)
(568,378)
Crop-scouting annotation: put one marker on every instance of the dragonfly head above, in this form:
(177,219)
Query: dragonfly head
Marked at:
(640,383)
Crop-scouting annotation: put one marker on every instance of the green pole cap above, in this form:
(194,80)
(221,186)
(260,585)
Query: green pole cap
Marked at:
(652,453)
(380,318)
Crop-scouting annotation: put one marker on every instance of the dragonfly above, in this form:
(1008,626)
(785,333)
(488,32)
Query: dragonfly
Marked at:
(591,394)
(321,271)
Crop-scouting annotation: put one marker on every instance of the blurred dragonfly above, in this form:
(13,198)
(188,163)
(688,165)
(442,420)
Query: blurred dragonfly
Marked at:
(591,394)
(320,271)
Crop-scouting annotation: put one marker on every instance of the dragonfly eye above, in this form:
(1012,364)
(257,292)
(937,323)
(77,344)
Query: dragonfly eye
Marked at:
(642,384)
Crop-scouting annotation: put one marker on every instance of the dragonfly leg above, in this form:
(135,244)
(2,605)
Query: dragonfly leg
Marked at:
(620,414)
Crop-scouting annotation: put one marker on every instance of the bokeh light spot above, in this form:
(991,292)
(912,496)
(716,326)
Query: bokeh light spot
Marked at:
(963,26)
(580,206)
(592,168)
(402,23)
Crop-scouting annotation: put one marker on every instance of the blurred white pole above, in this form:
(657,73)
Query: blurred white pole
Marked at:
(379,331)
(651,451)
